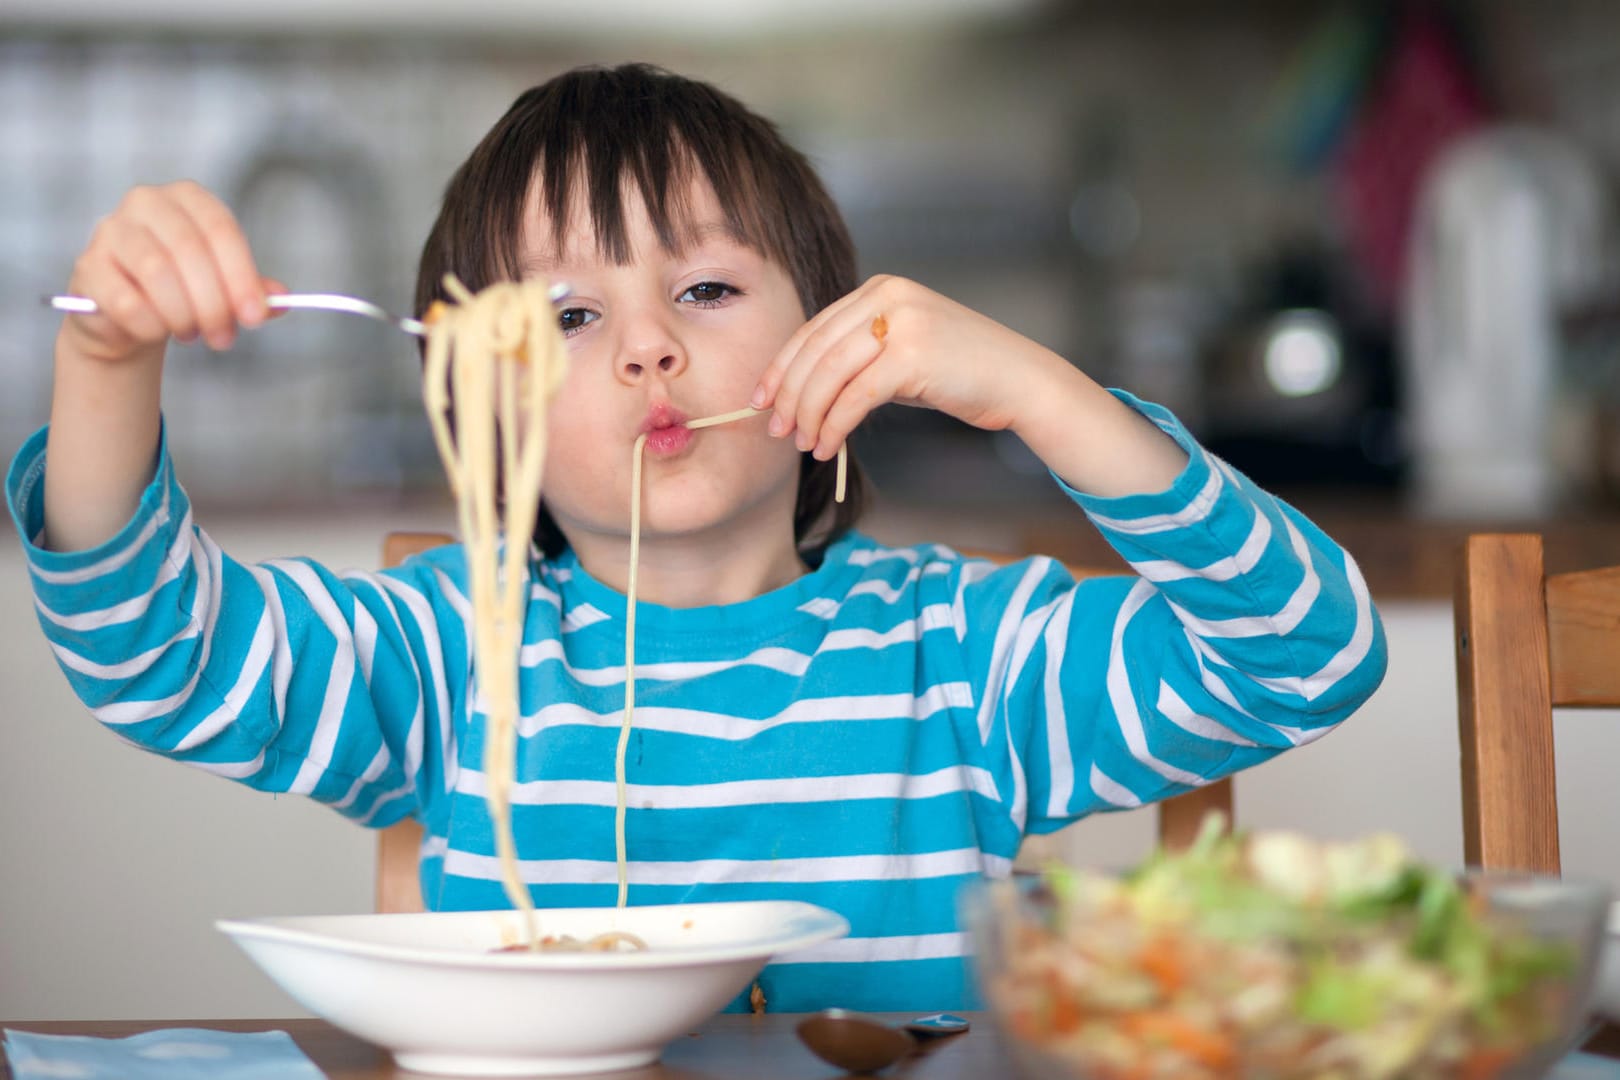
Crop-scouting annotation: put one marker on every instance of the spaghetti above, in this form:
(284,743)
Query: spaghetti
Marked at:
(619,784)
(608,941)
(494,361)
(747,411)
(620,852)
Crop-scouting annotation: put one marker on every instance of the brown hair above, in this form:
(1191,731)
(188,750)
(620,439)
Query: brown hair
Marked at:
(604,129)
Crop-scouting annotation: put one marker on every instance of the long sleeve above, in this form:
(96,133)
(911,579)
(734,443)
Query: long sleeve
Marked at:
(282,675)
(1246,631)
(869,737)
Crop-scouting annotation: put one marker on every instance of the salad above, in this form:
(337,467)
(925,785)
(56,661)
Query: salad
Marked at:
(1270,955)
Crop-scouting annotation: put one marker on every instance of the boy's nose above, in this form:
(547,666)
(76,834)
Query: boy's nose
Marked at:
(650,348)
(633,367)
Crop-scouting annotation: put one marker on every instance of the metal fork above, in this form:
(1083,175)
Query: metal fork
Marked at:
(349,305)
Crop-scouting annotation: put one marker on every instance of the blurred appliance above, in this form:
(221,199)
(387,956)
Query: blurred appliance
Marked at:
(1299,380)
(1510,232)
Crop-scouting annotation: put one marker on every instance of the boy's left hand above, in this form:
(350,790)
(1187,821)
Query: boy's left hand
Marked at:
(934,352)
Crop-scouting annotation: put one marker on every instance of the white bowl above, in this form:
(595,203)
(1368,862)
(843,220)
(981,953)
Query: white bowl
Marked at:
(1606,998)
(429,988)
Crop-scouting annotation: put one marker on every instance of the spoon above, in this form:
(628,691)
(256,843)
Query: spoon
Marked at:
(864,1044)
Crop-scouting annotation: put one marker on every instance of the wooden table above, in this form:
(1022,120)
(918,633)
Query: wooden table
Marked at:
(729,1047)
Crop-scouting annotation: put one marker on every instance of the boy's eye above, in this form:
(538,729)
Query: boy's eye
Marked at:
(575,319)
(705,293)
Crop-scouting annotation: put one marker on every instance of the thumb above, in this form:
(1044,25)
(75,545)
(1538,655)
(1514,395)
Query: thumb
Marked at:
(272,287)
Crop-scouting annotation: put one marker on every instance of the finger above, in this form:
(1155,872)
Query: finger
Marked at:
(764,396)
(770,381)
(139,256)
(233,257)
(843,361)
(125,315)
(171,218)
(274,287)
(847,322)
(872,386)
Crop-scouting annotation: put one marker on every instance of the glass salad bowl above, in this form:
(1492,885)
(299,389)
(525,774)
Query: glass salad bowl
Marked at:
(1273,956)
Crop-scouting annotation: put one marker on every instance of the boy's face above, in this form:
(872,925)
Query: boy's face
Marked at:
(664,338)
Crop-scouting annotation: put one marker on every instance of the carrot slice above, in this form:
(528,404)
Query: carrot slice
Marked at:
(1163,964)
(1485,1064)
(1209,1048)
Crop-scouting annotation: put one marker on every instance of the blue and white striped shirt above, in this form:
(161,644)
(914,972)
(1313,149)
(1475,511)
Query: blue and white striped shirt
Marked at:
(868,738)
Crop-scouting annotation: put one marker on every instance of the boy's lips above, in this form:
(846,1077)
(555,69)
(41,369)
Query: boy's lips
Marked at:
(666,431)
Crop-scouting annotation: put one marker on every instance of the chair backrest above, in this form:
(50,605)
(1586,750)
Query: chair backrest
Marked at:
(1526,643)
(399,845)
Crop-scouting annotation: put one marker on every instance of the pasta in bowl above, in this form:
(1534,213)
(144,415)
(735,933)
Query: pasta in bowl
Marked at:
(447,993)
(1272,956)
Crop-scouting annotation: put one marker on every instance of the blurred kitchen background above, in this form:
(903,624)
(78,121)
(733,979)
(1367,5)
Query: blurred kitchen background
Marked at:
(1366,250)
(1269,215)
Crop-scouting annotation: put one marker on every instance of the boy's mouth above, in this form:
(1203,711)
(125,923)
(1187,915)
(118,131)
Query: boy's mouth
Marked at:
(666,431)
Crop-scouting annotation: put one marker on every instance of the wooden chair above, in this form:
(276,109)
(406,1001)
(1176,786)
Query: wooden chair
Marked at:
(1526,643)
(398,846)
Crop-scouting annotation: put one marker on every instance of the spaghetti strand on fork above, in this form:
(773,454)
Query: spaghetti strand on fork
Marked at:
(494,361)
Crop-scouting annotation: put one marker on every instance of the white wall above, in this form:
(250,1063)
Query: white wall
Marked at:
(113,864)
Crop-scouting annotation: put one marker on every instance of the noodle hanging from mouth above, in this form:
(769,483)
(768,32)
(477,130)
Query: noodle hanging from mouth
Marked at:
(620,787)
(620,852)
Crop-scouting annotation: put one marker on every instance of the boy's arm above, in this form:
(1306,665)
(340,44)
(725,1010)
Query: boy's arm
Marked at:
(1247,631)
(102,444)
(283,675)
(168,262)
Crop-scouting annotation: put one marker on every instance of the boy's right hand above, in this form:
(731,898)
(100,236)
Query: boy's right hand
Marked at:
(170,261)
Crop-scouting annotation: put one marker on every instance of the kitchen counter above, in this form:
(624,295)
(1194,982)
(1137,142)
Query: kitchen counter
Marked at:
(1403,556)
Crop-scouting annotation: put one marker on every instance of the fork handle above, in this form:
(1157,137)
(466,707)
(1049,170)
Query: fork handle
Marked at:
(351,305)
(83,305)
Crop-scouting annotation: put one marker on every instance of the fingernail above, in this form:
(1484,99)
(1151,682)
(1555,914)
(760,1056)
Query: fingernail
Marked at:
(777,426)
(803,441)
(758,400)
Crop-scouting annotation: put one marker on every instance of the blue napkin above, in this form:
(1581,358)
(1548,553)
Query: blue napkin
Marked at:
(171,1053)
(1579,1066)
